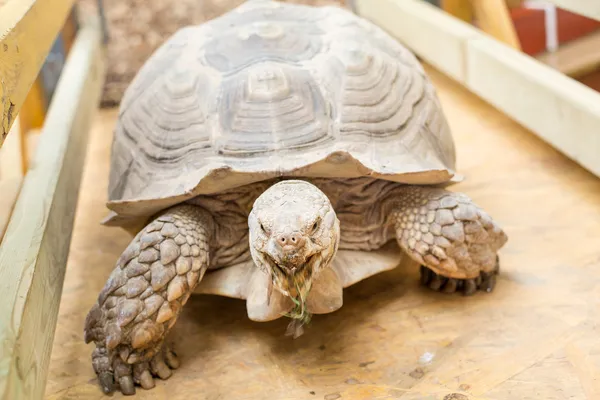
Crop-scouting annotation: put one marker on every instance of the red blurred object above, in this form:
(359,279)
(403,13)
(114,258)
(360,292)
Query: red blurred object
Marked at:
(591,80)
(531,28)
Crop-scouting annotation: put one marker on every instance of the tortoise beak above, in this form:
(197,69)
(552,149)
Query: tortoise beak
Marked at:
(292,272)
(288,252)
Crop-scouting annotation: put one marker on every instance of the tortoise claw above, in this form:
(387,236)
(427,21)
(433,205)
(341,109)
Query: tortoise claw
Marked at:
(450,286)
(126,385)
(437,282)
(426,275)
(171,359)
(470,287)
(486,281)
(107,382)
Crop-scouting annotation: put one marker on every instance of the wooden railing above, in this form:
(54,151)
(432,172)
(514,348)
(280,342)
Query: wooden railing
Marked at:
(34,249)
(31,27)
(558,109)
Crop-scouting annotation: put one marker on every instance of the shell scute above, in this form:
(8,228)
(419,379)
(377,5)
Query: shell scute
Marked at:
(272,89)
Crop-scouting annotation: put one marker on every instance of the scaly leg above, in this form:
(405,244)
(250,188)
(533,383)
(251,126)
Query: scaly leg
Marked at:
(143,297)
(454,240)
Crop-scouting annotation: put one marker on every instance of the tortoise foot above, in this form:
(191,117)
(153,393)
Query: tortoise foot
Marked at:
(143,298)
(486,281)
(127,376)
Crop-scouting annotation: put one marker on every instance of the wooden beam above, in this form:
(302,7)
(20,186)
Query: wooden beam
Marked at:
(494,18)
(12,156)
(588,8)
(514,3)
(461,9)
(31,116)
(434,35)
(562,111)
(576,58)
(34,251)
(10,190)
(27,30)
(558,109)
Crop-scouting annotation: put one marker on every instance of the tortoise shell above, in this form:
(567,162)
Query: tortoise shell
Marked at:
(269,90)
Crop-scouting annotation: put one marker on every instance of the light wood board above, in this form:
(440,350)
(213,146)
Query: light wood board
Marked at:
(34,250)
(28,29)
(9,191)
(11,154)
(494,18)
(461,9)
(576,58)
(534,337)
(558,109)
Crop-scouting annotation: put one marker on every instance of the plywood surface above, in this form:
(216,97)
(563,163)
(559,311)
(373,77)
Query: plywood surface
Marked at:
(535,337)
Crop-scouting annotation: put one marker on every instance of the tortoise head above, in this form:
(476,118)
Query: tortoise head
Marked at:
(294,235)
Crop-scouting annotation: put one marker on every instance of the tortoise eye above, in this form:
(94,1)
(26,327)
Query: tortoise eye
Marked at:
(262,227)
(315,226)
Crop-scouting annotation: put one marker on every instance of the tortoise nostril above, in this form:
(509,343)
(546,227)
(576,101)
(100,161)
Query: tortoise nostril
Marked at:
(292,240)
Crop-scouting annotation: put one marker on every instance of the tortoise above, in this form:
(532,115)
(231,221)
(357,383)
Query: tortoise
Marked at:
(278,154)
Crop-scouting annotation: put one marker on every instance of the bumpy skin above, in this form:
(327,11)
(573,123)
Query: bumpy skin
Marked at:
(451,236)
(143,297)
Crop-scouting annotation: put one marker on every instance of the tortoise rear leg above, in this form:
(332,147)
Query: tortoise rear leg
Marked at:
(454,240)
(143,297)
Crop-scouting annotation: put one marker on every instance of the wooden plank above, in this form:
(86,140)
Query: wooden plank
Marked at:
(494,18)
(562,111)
(555,107)
(11,154)
(434,35)
(589,8)
(461,9)
(576,58)
(27,31)
(31,116)
(34,250)
(10,190)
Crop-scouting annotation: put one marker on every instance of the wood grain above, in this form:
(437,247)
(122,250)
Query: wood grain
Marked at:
(534,337)
(584,7)
(27,30)
(34,250)
(558,109)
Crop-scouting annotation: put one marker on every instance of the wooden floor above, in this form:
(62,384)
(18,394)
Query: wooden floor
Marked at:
(535,337)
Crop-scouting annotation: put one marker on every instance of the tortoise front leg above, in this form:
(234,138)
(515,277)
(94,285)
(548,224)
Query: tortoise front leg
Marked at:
(143,297)
(454,240)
